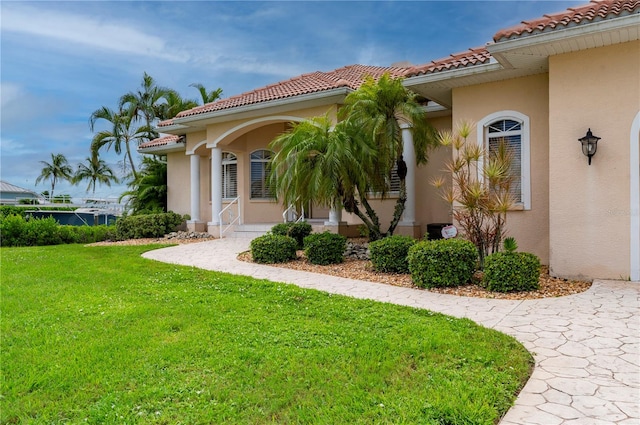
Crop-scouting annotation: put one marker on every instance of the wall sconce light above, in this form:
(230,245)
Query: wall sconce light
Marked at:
(589,144)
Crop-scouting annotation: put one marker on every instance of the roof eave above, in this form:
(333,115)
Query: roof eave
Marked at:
(328,96)
(164,149)
(437,85)
(528,40)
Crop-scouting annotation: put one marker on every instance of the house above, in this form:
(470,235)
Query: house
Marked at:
(12,195)
(543,84)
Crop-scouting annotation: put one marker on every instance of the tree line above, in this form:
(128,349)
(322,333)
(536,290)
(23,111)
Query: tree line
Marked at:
(123,128)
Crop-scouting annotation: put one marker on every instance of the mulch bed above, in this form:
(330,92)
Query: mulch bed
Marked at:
(362,270)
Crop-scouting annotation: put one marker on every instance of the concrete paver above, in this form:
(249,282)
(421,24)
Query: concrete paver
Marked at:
(586,346)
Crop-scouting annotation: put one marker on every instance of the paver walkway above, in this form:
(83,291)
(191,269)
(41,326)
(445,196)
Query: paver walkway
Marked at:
(586,346)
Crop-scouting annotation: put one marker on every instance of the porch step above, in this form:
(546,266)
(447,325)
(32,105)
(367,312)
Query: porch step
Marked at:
(250,231)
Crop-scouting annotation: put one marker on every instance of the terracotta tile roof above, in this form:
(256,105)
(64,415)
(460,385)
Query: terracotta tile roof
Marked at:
(161,141)
(596,10)
(475,56)
(351,76)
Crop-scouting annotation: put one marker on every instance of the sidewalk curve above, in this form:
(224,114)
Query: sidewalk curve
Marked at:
(586,346)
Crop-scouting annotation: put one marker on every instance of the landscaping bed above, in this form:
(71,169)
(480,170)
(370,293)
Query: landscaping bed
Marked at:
(362,270)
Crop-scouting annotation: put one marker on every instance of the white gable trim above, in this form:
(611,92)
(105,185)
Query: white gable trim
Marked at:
(195,148)
(252,123)
(526,149)
(634,198)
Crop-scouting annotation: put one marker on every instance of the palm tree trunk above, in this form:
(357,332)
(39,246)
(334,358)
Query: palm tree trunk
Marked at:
(130,158)
(399,208)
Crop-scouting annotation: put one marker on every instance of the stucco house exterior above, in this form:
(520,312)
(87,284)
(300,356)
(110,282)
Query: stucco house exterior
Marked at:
(542,84)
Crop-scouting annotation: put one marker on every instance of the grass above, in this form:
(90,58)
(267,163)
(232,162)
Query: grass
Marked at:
(101,335)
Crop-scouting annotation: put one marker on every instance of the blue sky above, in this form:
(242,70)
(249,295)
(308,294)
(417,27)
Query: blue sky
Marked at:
(60,61)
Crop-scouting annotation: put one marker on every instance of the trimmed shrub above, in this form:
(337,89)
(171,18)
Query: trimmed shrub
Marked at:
(297,231)
(272,248)
(12,230)
(19,231)
(442,262)
(325,248)
(41,231)
(147,225)
(389,255)
(511,271)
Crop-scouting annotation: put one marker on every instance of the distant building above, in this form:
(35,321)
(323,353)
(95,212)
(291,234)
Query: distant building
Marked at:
(12,195)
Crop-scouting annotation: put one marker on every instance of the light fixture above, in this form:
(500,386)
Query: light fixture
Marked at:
(589,144)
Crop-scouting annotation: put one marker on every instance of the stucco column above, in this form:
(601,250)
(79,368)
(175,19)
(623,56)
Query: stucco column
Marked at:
(335,217)
(195,187)
(216,186)
(409,154)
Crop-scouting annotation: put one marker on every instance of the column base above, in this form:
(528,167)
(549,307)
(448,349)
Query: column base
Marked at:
(407,228)
(196,226)
(213,229)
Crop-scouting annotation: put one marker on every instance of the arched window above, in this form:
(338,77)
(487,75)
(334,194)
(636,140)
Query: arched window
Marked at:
(229,175)
(260,169)
(513,129)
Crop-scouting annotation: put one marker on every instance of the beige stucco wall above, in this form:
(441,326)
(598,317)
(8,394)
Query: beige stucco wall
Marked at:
(178,198)
(589,220)
(528,96)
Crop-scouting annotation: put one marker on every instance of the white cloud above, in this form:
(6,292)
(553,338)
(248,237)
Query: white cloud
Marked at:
(85,30)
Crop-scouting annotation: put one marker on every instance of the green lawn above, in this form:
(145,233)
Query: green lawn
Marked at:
(101,335)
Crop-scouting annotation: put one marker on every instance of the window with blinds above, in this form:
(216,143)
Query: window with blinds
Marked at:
(260,169)
(393,182)
(509,131)
(229,175)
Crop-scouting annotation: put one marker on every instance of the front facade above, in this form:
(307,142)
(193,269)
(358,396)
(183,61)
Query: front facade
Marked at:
(541,85)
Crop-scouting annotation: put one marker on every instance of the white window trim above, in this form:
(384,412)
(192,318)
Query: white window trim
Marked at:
(525,153)
(251,161)
(226,162)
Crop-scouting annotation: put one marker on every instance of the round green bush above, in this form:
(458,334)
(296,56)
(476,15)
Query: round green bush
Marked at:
(442,262)
(389,255)
(297,231)
(511,272)
(270,248)
(325,248)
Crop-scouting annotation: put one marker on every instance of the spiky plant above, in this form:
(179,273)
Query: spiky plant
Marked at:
(480,194)
(509,244)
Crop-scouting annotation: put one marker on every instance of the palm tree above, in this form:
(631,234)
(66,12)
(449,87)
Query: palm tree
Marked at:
(378,109)
(315,162)
(174,105)
(121,133)
(148,191)
(57,169)
(146,103)
(207,97)
(95,170)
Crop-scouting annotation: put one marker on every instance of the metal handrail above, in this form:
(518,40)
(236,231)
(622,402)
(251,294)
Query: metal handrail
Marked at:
(232,220)
(298,216)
